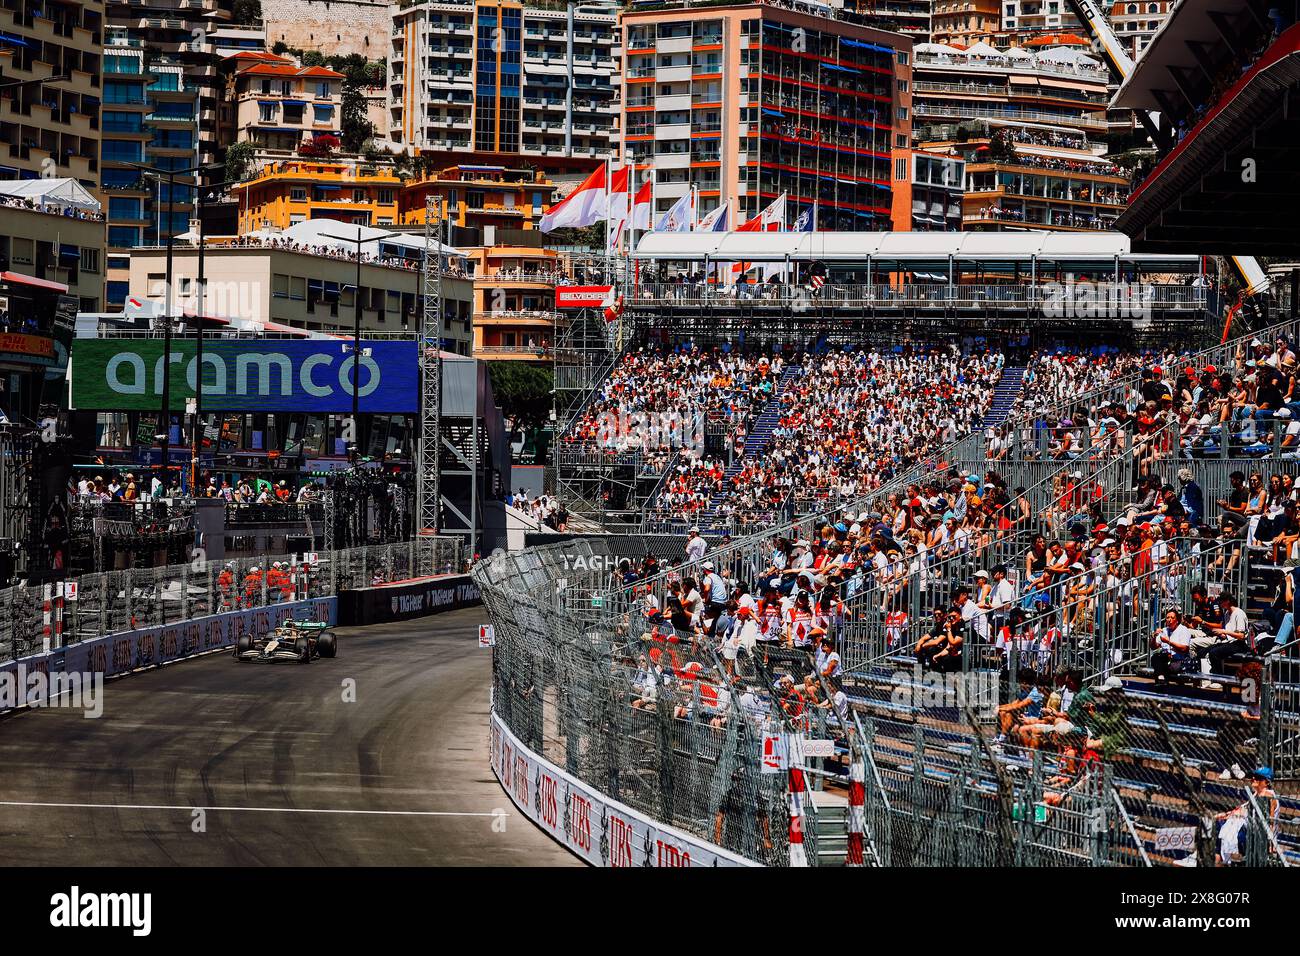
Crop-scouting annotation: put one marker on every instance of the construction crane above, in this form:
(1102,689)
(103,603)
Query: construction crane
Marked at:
(1253,278)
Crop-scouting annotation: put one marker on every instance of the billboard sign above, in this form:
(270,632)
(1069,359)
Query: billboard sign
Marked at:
(254,375)
(581,296)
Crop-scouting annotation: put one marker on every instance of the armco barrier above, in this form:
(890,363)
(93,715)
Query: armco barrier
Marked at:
(121,653)
(407,600)
(601,831)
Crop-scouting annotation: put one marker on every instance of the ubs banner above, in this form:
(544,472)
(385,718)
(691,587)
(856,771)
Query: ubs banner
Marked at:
(601,831)
(264,375)
(407,600)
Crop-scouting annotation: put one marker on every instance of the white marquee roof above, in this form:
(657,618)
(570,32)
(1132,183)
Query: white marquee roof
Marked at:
(857,246)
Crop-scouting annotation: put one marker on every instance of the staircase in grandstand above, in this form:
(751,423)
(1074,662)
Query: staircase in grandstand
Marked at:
(1008,389)
(758,438)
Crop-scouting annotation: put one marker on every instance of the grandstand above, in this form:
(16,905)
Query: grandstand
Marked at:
(994,592)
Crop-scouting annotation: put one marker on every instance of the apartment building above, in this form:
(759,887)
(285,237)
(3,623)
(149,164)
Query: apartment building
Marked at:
(50,129)
(487,199)
(965,22)
(938,184)
(500,78)
(1057,86)
(514,303)
(194,34)
(1135,23)
(285,193)
(1024,21)
(277,105)
(912,18)
(744,102)
(52,232)
(302,285)
(150,116)
(1022,176)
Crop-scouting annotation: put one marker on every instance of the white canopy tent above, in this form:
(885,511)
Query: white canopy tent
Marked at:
(64,193)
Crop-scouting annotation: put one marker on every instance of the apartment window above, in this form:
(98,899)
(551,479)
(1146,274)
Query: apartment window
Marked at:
(902,112)
(266,112)
(298,194)
(89,260)
(903,58)
(900,140)
(385,197)
(900,168)
(358,195)
(902,86)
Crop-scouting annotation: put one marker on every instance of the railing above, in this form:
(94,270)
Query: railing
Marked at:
(117,601)
(881,296)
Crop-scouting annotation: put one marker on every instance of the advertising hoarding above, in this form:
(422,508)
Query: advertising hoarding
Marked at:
(264,375)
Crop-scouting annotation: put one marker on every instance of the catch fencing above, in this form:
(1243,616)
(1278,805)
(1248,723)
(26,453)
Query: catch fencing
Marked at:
(35,617)
(658,720)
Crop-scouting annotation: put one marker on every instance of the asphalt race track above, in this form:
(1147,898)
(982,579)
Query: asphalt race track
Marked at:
(253,743)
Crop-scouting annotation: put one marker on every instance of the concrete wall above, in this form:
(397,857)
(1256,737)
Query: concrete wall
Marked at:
(332,26)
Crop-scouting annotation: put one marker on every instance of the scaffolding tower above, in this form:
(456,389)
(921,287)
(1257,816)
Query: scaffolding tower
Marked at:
(428,487)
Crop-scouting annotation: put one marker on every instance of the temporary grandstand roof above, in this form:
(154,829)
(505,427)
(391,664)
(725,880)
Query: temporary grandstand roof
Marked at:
(51,192)
(859,246)
(1189,25)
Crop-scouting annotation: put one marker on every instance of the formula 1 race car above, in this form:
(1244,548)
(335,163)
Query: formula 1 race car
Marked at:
(293,641)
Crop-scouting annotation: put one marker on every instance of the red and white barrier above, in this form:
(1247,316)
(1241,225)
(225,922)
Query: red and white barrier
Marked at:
(599,830)
(856,819)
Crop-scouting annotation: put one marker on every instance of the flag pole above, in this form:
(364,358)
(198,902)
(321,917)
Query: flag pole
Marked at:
(609,264)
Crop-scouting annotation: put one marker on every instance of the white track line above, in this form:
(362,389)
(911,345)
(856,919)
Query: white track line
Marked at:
(164,806)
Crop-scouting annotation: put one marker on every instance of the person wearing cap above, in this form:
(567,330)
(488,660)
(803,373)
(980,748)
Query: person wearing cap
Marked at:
(1234,824)
(716,593)
(695,545)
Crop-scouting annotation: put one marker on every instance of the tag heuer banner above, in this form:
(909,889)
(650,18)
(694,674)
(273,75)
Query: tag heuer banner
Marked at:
(263,375)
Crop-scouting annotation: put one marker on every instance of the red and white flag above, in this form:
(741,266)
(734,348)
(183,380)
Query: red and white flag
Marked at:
(640,211)
(589,203)
(770,219)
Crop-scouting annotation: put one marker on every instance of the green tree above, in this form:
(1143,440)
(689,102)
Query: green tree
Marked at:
(356,126)
(246,11)
(239,161)
(523,391)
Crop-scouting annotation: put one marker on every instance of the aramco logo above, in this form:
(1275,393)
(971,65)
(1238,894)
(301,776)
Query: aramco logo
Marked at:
(254,374)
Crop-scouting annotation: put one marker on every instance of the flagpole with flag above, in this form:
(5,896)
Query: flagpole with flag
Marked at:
(609,261)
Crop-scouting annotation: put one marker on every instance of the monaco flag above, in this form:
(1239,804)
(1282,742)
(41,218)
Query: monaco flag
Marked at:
(640,211)
(587,204)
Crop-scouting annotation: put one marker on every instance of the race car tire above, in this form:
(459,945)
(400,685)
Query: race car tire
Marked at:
(304,656)
(327,645)
(242,643)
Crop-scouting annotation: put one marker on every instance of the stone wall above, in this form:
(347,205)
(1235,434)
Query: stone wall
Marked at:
(331,26)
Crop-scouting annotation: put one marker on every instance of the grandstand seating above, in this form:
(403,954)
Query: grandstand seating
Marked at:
(1179,742)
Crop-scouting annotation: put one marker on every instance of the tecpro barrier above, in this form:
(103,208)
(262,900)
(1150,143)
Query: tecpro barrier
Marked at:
(406,600)
(116,654)
(601,831)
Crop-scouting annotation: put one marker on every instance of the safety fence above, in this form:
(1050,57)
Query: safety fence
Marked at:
(36,617)
(950,772)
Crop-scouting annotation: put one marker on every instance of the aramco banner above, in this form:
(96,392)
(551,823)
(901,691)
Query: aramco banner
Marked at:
(256,375)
